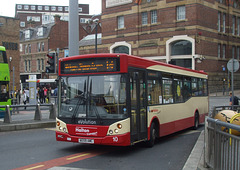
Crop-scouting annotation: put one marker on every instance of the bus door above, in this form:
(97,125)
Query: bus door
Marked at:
(138,105)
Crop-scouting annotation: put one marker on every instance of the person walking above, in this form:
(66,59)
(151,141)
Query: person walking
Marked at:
(24,98)
(235,99)
(41,94)
(45,94)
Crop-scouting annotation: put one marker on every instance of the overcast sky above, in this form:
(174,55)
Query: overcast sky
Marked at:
(7,7)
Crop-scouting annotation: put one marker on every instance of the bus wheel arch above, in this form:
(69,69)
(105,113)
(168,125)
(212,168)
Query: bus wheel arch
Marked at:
(153,133)
(196,120)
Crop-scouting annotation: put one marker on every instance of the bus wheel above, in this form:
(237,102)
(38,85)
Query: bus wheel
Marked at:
(196,121)
(153,136)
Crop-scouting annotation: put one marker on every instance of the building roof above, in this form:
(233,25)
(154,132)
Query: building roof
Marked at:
(90,40)
(34,32)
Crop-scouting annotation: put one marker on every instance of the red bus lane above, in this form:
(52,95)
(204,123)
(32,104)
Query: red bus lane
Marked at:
(62,161)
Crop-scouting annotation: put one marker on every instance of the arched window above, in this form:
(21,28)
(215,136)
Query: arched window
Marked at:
(121,49)
(181,47)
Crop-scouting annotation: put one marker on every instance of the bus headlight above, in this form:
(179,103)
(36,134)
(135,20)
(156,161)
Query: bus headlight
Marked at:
(110,132)
(116,130)
(119,126)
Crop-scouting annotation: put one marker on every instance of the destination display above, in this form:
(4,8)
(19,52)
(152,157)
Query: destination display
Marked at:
(90,65)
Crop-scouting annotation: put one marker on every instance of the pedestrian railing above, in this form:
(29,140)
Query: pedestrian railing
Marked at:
(216,109)
(222,150)
(37,115)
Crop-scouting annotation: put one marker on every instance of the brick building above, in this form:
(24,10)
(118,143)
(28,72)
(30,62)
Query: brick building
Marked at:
(37,42)
(36,15)
(9,36)
(202,35)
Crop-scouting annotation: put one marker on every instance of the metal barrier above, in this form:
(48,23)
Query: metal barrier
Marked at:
(216,109)
(222,150)
(37,116)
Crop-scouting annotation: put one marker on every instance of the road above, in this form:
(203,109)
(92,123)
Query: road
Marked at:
(38,149)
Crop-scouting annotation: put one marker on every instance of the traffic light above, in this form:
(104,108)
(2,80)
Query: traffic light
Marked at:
(51,68)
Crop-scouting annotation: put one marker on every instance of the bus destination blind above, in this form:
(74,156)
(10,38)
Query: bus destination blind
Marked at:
(90,65)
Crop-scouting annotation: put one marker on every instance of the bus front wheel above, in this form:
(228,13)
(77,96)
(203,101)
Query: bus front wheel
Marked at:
(153,136)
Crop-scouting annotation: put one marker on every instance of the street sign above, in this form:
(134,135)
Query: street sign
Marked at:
(233,64)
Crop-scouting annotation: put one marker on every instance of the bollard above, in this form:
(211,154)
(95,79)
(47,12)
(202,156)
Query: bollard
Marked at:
(38,114)
(52,111)
(7,116)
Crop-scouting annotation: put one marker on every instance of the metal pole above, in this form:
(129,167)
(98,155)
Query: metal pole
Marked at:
(13,78)
(232,82)
(96,38)
(73,28)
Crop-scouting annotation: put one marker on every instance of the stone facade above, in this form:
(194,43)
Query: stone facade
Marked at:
(9,36)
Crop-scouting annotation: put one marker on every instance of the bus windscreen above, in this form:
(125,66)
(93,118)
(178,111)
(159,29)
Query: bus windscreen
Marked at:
(90,65)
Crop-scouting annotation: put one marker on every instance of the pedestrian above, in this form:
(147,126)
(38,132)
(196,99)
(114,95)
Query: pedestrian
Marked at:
(27,93)
(18,96)
(45,94)
(41,94)
(24,98)
(235,99)
(48,94)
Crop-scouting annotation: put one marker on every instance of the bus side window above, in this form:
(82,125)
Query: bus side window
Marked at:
(167,90)
(154,88)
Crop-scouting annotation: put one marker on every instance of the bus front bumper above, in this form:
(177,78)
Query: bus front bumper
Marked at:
(115,140)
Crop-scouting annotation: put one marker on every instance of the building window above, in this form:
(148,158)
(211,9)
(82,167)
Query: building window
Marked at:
(233,51)
(224,51)
(60,8)
(26,7)
(42,60)
(19,6)
(42,46)
(121,49)
(46,8)
(53,8)
(233,25)
(40,8)
(120,22)
(181,47)
(144,18)
(25,49)
(224,23)
(22,24)
(29,65)
(29,48)
(38,64)
(25,65)
(181,13)
(154,17)
(40,32)
(33,7)
(66,8)
(219,50)
(39,46)
(27,34)
(219,21)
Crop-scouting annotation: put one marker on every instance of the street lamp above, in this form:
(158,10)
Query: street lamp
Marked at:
(96,21)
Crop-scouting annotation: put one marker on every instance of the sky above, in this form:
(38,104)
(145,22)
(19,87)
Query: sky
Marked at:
(7,7)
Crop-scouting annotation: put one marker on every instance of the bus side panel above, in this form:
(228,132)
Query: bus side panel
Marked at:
(178,116)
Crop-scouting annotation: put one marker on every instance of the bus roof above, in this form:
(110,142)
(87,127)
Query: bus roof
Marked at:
(2,48)
(134,61)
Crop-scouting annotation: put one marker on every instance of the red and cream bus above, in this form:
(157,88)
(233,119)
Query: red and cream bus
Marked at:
(119,99)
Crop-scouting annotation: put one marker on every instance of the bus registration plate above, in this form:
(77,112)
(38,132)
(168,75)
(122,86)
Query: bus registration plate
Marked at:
(86,140)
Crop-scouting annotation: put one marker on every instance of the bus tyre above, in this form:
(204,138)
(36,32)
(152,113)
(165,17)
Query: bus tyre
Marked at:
(196,121)
(153,136)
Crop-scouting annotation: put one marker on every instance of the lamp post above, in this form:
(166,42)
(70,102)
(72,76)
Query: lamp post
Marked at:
(96,21)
